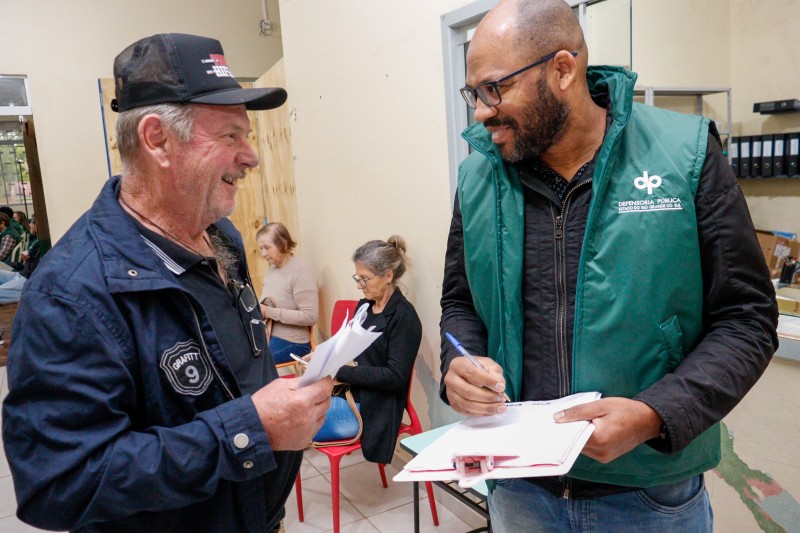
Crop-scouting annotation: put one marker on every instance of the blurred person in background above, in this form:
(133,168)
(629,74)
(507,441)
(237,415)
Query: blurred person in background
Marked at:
(289,301)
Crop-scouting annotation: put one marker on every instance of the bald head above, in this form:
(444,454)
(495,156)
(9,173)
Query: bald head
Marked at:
(534,28)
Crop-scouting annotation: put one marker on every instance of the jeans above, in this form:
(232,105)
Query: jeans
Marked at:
(516,506)
(11,284)
(280,349)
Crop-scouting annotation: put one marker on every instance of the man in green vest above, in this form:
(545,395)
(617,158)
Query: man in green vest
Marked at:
(9,238)
(598,245)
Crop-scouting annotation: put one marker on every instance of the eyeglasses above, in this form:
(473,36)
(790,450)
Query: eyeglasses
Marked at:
(362,282)
(489,91)
(246,302)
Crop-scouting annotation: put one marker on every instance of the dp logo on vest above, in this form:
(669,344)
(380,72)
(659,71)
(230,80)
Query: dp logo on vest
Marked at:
(647,182)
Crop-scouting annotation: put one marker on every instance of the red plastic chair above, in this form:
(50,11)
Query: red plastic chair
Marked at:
(335,453)
(413,428)
(341,308)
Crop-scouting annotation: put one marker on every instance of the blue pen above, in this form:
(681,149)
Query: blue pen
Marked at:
(465,353)
(462,350)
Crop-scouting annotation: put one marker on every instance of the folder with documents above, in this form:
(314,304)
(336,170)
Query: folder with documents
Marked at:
(733,155)
(778,165)
(525,441)
(767,158)
(744,156)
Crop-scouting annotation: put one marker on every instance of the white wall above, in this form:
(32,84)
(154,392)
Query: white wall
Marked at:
(64,47)
(370,143)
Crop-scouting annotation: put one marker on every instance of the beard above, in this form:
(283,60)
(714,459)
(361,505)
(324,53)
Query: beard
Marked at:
(543,124)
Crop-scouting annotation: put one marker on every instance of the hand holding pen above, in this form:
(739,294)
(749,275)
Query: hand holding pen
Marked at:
(469,357)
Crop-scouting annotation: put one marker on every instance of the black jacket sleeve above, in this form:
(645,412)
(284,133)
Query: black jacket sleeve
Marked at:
(740,314)
(458,310)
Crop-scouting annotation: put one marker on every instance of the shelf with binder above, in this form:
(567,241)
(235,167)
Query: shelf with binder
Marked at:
(698,93)
(765,156)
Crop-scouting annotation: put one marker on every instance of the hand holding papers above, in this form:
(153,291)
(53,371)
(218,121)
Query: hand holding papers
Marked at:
(346,345)
(524,441)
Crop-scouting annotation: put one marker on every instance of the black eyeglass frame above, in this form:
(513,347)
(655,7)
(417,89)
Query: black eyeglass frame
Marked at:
(244,291)
(471,95)
(362,282)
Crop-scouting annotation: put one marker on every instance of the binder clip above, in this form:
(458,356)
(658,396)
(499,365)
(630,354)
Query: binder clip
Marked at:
(472,469)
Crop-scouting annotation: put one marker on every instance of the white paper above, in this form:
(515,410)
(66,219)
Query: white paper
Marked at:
(525,441)
(346,345)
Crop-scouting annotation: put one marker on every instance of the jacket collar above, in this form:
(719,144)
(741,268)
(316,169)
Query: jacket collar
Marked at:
(128,262)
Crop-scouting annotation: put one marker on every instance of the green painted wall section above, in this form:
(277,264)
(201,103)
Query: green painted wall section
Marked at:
(775,510)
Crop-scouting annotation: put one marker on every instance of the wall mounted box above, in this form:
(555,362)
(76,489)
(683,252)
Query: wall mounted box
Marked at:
(777,106)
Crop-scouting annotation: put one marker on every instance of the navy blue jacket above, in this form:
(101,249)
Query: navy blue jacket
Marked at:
(123,409)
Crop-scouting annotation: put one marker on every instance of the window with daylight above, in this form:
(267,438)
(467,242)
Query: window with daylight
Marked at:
(14,96)
(15,186)
(20,173)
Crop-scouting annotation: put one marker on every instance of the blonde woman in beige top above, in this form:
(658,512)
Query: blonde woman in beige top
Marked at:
(289,302)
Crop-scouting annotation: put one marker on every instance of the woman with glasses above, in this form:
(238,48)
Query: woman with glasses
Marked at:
(289,302)
(380,378)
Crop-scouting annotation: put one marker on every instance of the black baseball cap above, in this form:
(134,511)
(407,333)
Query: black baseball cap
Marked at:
(179,68)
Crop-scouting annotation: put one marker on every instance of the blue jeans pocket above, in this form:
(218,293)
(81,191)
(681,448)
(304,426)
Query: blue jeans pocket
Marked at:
(675,497)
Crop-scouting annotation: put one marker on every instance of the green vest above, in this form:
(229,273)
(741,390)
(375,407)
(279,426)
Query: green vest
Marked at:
(14,233)
(638,307)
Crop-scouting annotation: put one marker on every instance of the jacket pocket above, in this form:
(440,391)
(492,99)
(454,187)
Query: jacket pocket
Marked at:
(672,339)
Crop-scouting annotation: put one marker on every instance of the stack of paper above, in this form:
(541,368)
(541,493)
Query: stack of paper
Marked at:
(525,441)
(346,345)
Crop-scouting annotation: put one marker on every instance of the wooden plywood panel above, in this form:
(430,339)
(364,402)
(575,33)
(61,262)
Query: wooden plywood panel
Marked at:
(250,214)
(110,124)
(277,164)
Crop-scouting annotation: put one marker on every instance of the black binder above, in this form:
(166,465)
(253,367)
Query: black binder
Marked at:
(779,155)
(793,142)
(744,157)
(755,159)
(766,155)
(733,155)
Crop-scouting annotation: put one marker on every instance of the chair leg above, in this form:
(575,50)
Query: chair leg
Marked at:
(298,491)
(434,514)
(335,491)
(383,476)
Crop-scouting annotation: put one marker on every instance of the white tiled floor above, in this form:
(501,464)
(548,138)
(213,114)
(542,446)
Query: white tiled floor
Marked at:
(365,506)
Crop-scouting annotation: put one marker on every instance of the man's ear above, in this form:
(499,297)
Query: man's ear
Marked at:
(154,140)
(566,68)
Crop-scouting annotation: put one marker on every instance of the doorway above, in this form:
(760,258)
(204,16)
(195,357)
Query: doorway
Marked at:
(20,173)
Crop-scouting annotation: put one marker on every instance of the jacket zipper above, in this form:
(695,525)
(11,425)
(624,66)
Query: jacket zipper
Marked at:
(561,313)
(205,353)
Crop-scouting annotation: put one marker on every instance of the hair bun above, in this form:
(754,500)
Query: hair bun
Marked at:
(398,242)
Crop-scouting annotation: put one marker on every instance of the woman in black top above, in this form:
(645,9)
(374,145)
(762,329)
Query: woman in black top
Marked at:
(380,380)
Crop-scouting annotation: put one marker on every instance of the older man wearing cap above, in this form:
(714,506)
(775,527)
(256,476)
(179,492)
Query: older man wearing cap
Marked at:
(142,394)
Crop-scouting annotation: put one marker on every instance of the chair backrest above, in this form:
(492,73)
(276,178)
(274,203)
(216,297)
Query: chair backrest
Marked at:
(16,253)
(342,308)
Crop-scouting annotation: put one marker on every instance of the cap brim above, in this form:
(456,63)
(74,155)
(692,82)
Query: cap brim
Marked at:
(256,99)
